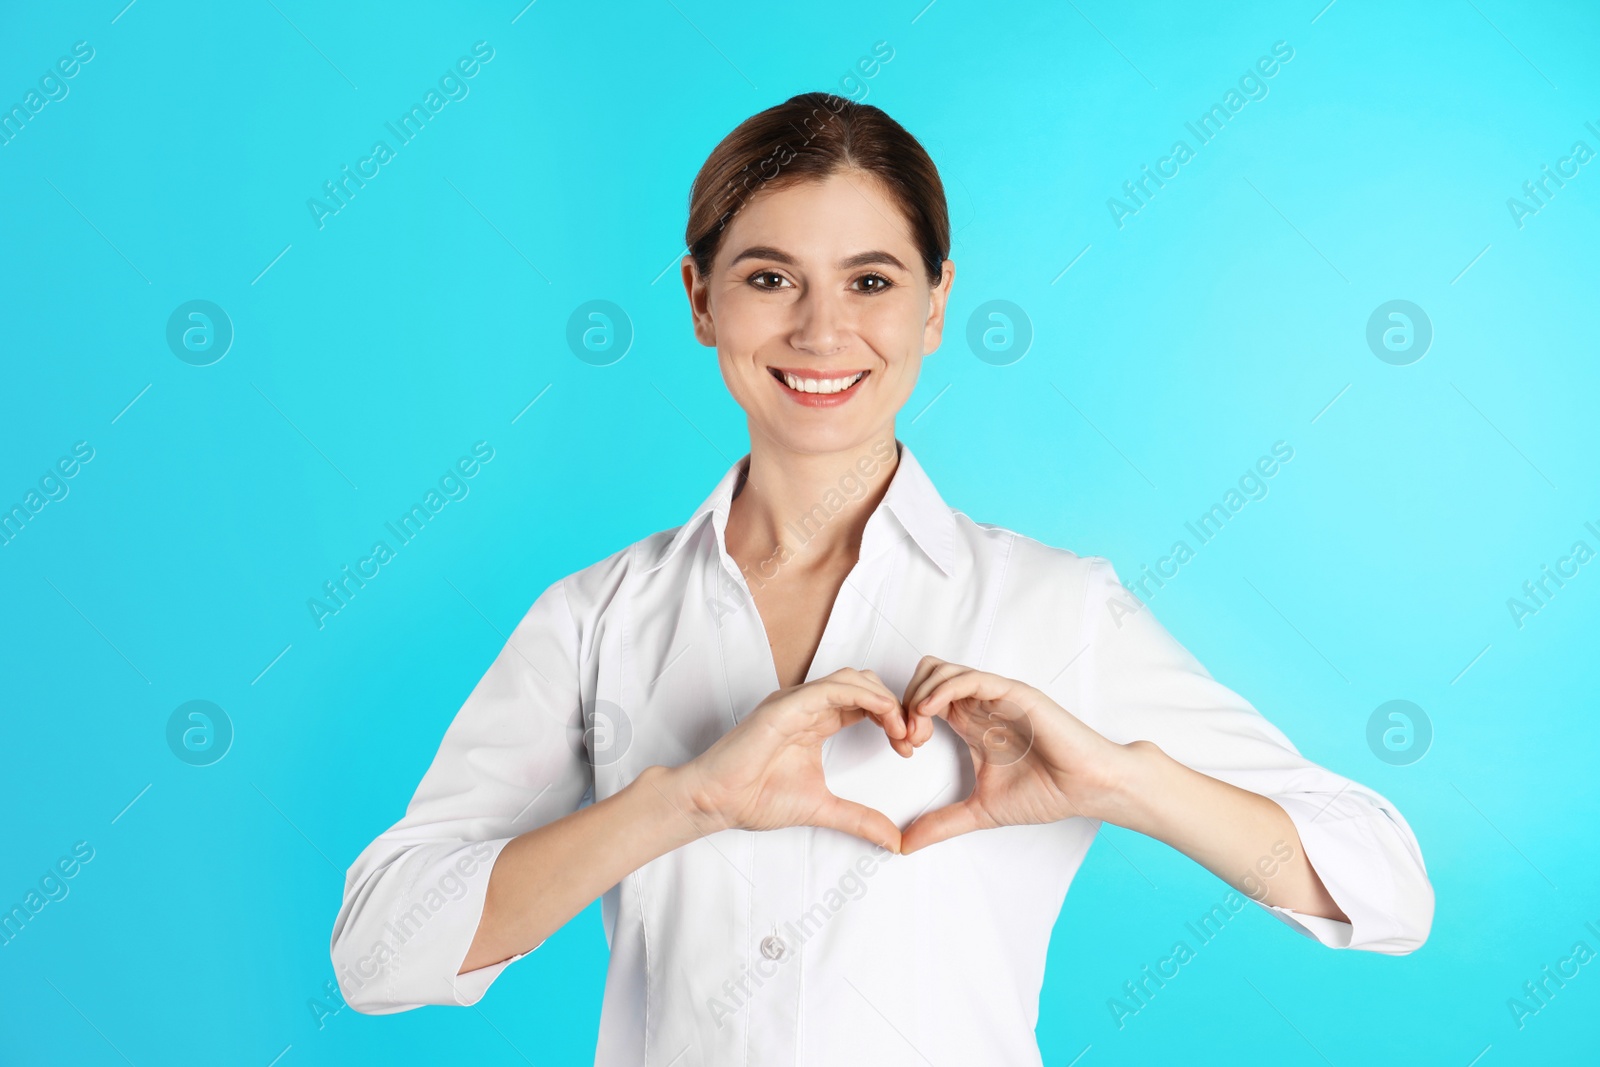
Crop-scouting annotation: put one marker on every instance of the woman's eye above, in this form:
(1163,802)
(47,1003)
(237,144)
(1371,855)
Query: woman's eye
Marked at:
(771,281)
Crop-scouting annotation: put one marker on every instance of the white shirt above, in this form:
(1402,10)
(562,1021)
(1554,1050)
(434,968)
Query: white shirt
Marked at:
(937,956)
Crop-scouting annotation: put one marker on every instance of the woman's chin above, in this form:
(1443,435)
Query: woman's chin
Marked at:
(836,432)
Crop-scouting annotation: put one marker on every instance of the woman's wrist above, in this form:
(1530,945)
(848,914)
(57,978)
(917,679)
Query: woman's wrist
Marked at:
(679,792)
(1133,781)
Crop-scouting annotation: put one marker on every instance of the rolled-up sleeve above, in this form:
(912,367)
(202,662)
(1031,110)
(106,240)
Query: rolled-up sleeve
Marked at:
(1140,683)
(512,759)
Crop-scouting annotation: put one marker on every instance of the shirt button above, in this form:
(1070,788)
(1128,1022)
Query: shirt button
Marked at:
(772,947)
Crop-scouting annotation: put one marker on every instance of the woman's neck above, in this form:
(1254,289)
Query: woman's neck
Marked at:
(807,511)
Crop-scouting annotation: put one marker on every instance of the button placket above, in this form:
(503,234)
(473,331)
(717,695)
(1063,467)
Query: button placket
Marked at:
(774,970)
(770,987)
(765,991)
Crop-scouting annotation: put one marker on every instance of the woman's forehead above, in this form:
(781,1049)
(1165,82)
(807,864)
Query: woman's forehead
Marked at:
(823,220)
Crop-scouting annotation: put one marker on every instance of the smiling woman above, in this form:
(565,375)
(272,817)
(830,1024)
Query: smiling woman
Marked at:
(907,686)
(824,298)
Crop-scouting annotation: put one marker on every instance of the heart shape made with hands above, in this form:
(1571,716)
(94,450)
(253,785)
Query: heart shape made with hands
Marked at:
(861,763)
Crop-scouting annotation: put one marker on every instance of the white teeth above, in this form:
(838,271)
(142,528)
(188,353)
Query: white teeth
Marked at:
(821,385)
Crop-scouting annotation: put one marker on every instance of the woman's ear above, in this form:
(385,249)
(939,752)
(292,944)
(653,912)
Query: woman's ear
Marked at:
(699,293)
(938,297)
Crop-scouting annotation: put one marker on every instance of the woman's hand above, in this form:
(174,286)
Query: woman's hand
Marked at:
(1035,762)
(766,772)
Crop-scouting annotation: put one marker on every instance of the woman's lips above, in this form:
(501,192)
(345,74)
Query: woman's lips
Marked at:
(820,400)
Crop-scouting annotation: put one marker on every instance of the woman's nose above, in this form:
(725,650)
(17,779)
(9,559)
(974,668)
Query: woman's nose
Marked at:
(820,326)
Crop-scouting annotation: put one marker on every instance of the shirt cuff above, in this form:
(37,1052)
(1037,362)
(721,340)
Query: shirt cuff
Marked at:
(469,988)
(1370,869)
(413,959)
(460,926)
(1330,932)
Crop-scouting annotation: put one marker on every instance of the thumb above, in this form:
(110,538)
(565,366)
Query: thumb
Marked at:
(941,824)
(858,820)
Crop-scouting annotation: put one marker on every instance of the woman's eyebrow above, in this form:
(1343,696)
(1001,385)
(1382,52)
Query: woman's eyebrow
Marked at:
(860,259)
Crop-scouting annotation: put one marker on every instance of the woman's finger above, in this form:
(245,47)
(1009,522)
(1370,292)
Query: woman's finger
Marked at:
(903,745)
(926,666)
(869,697)
(892,722)
(863,677)
(970,684)
(918,698)
(900,711)
(850,716)
(869,824)
(823,695)
(920,729)
(931,672)
(941,824)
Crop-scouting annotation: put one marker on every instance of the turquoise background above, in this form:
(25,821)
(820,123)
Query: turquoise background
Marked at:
(369,354)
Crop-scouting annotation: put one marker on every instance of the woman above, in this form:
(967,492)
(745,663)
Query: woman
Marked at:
(926,717)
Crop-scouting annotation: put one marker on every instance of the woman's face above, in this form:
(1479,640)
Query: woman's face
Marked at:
(819,285)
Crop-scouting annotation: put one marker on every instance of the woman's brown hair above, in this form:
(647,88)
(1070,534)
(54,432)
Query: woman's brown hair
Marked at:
(807,138)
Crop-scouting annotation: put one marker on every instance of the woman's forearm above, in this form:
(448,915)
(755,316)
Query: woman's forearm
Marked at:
(1244,838)
(546,876)
(764,773)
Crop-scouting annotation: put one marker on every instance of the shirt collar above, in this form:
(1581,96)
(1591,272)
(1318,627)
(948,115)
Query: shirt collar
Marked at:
(911,499)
